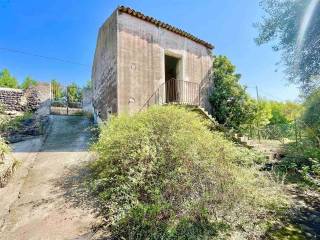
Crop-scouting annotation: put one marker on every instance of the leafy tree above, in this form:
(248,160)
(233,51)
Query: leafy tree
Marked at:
(6,80)
(231,104)
(262,113)
(284,112)
(89,84)
(311,116)
(56,89)
(74,93)
(28,82)
(282,25)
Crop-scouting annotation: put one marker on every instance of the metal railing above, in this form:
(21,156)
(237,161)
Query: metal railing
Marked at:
(175,91)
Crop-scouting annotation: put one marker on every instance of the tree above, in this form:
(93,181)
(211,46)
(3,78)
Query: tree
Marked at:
(262,114)
(311,116)
(89,85)
(6,80)
(287,26)
(231,104)
(28,82)
(56,89)
(74,93)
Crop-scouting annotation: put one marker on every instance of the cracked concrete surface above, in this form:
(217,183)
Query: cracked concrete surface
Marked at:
(33,205)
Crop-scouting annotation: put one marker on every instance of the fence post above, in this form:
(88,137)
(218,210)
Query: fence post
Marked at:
(67,101)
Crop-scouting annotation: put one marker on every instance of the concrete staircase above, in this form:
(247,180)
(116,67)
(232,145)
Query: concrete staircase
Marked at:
(272,149)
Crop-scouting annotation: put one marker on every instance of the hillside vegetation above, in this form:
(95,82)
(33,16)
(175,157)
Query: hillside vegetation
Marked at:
(162,174)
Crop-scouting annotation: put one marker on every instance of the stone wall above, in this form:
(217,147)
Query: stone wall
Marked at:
(31,99)
(12,99)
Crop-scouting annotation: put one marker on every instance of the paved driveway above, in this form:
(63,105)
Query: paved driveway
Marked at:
(38,203)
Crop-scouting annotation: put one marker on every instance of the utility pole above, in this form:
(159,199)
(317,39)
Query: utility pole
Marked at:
(257,92)
(258,124)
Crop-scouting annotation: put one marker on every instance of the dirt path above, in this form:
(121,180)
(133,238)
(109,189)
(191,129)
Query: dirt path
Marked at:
(34,205)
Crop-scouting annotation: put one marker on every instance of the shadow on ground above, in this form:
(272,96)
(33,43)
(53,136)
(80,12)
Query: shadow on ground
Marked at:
(75,185)
(303,220)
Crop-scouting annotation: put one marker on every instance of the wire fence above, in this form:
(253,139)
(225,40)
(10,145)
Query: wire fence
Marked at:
(293,131)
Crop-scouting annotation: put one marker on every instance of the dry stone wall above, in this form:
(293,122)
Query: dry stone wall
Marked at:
(18,100)
(12,99)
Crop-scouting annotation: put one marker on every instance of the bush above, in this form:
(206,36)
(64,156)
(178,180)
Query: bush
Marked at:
(302,163)
(161,174)
(311,116)
(9,124)
(4,148)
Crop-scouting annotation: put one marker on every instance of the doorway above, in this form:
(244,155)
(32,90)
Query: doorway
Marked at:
(172,65)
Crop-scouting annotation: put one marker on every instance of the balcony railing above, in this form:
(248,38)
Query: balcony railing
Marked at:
(175,91)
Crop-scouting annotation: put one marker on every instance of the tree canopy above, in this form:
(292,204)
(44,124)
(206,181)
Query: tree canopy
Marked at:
(311,116)
(28,82)
(232,106)
(286,26)
(6,80)
(74,93)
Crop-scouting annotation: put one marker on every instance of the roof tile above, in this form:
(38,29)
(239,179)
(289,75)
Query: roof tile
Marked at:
(169,27)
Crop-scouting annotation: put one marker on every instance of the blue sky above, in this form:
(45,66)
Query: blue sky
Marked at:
(68,30)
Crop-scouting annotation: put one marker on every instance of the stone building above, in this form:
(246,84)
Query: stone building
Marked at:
(140,61)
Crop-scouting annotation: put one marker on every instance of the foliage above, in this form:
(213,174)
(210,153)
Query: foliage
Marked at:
(231,105)
(6,80)
(89,85)
(8,124)
(274,120)
(162,174)
(56,90)
(28,82)
(74,93)
(4,148)
(302,159)
(281,25)
(311,116)
(263,114)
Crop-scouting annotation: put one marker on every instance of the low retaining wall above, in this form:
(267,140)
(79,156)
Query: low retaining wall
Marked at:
(30,99)
(65,111)
(12,99)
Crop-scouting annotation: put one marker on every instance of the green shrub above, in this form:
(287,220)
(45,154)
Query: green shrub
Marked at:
(9,124)
(4,148)
(311,116)
(161,174)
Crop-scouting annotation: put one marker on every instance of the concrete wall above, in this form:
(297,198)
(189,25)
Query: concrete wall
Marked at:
(104,71)
(87,100)
(43,91)
(141,48)
(129,63)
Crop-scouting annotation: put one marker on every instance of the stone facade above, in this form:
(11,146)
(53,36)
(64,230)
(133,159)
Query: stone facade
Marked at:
(10,99)
(31,99)
(129,64)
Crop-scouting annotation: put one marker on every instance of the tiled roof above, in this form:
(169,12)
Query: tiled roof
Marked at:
(156,22)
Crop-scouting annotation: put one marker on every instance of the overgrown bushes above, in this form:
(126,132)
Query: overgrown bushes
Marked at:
(302,158)
(161,174)
(4,148)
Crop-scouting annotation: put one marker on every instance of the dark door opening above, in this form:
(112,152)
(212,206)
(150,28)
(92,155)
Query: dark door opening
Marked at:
(171,74)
